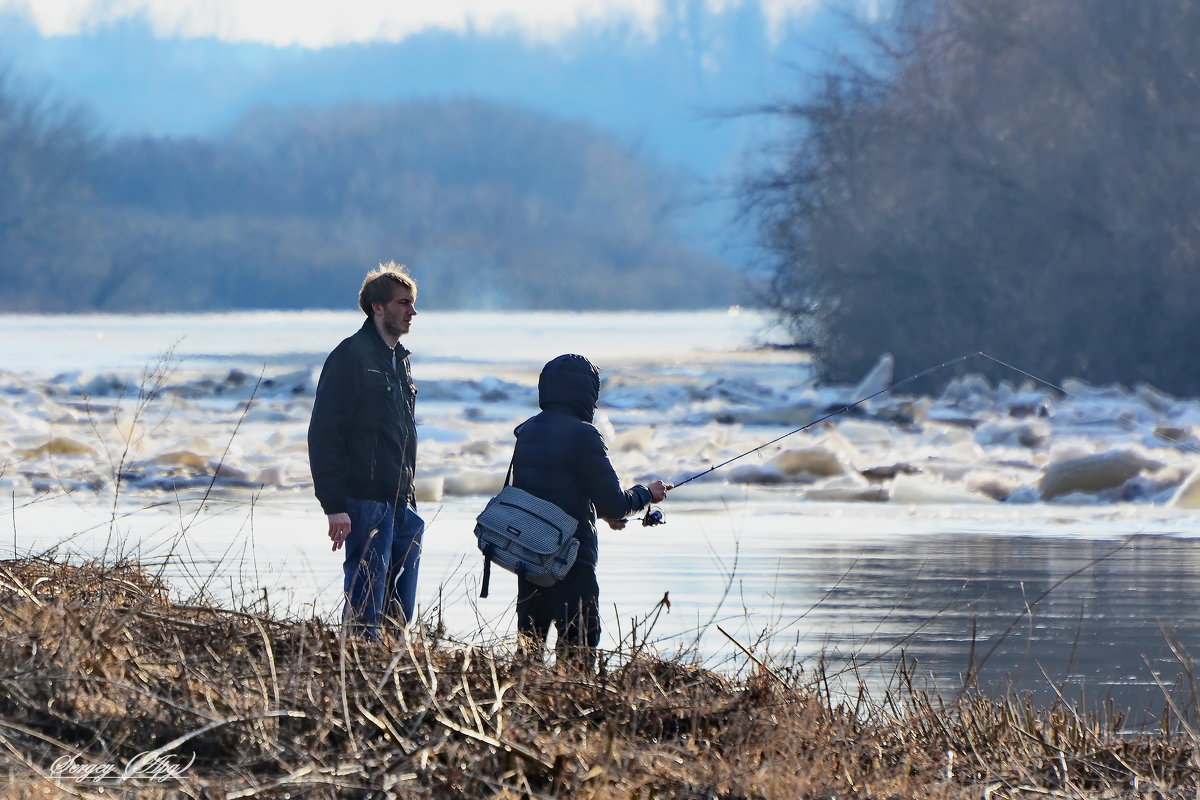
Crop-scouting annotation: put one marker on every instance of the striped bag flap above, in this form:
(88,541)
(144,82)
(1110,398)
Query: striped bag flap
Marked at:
(535,523)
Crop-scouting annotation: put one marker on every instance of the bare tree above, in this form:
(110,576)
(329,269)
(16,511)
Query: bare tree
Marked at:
(1012,176)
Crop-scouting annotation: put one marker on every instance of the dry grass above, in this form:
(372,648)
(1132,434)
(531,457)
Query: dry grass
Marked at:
(99,665)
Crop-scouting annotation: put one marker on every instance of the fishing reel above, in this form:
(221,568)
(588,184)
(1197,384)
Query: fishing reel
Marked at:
(653,516)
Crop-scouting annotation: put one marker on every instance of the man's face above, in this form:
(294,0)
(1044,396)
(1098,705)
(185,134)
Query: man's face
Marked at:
(396,314)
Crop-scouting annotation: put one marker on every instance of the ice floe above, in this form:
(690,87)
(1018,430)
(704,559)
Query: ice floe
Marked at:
(752,418)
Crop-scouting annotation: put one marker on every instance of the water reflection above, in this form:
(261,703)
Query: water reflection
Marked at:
(1043,601)
(1094,619)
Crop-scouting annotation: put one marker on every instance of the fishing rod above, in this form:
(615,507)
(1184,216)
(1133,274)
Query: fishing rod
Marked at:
(834,413)
(654,516)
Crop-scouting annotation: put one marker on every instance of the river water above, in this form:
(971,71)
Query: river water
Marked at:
(1090,598)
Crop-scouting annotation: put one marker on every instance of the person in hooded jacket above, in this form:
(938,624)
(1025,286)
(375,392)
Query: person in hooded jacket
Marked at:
(561,457)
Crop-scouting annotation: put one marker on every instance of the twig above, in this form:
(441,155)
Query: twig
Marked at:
(491,741)
(761,665)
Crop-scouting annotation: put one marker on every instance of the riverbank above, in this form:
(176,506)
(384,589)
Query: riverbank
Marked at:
(112,686)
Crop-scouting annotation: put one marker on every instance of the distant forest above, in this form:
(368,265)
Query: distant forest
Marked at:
(491,207)
(1020,177)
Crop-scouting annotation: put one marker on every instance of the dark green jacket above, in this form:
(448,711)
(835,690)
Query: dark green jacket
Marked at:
(362,437)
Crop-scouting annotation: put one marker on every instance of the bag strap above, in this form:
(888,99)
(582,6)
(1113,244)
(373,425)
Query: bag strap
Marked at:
(508,478)
(487,554)
(487,575)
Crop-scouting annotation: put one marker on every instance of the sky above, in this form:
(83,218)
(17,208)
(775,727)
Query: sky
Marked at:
(318,23)
(670,78)
(649,70)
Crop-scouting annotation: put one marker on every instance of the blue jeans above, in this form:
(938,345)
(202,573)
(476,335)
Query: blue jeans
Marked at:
(383,553)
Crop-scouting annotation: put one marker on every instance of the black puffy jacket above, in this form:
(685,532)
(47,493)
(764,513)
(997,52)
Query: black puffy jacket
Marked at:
(362,437)
(561,457)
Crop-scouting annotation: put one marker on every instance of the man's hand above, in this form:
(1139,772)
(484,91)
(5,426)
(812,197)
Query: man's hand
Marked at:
(339,529)
(615,524)
(658,491)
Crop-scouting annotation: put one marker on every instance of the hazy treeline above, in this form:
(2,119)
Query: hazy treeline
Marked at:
(492,206)
(1013,176)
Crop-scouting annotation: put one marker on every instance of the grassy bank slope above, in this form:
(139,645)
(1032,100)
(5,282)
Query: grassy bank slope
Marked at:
(109,687)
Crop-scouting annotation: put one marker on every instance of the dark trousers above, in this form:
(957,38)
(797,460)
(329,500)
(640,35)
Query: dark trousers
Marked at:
(572,605)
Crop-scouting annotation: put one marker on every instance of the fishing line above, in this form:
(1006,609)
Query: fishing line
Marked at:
(654,515)
(835,412)
(905,381)
(1123,419)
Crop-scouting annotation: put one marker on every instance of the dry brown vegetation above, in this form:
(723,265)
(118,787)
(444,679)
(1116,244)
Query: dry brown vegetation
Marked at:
(100,667)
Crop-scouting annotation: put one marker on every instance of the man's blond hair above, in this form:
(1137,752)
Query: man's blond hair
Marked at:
(379,284)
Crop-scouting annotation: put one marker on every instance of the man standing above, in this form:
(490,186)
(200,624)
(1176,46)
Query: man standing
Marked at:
(362,450)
